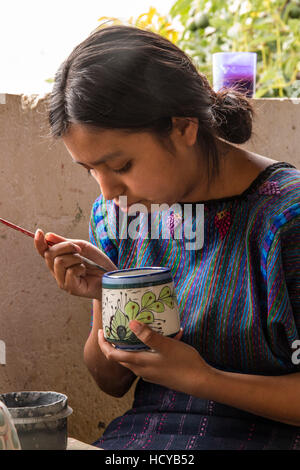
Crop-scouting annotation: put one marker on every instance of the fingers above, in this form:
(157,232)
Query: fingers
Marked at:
(146,335)
(72,279)
(60,258)
(40,243)
(54,238)
(126,358)
(64,259)
(155,341)
(107,348)
(60,251)
(66,268)
(86,249)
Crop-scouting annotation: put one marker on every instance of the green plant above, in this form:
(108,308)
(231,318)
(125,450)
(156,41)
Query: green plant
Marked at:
(151,21)
(271,28)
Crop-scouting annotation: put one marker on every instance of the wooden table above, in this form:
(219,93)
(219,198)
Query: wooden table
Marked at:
(74,444)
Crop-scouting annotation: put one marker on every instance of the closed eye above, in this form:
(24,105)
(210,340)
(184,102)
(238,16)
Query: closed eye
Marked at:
(124,169)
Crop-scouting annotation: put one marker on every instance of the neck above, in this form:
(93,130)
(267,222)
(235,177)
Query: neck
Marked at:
(198,189)
(238,168)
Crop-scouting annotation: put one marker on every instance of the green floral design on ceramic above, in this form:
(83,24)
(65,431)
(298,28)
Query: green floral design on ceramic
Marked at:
(119,323)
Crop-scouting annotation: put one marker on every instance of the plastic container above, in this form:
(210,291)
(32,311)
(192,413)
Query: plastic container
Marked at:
(235,70)
(40,419)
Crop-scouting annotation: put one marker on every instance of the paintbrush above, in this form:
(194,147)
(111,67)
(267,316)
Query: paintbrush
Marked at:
(31,234)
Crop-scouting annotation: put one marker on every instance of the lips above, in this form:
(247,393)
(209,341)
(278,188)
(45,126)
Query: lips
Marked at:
(128,204)
(131,203)
(126,209)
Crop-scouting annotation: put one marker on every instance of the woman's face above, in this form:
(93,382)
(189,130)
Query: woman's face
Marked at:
(138,165)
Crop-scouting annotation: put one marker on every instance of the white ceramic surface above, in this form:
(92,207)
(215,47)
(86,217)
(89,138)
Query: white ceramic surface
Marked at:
(155,305)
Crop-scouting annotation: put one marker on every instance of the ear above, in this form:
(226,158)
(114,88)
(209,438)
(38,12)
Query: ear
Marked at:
(185,129)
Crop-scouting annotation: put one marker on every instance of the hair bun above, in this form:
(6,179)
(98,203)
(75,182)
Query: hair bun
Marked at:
(233,115)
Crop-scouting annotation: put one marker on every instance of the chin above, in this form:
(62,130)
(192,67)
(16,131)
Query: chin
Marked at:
(128,207)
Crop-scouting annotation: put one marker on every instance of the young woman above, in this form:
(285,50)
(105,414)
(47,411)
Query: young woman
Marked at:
(132,109)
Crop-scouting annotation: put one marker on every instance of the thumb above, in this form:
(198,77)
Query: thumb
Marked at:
(179,335)
(146,335)
(52,237)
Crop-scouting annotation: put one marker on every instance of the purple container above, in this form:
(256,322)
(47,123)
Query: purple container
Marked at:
(235,70)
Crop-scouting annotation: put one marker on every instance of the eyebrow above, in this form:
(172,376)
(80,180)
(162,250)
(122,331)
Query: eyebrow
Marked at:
(103,159)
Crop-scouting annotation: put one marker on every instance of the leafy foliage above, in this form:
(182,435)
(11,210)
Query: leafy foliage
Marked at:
(271,28)
(151,21)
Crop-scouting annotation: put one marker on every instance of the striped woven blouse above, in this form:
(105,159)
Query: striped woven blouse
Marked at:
(238,293)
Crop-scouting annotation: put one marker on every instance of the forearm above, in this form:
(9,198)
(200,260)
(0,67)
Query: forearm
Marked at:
(273,397)
(109,375)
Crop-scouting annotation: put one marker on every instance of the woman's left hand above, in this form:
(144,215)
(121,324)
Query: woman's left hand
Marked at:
(171,363)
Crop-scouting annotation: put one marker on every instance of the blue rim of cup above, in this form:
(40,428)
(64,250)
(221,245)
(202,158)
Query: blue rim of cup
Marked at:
(155,275)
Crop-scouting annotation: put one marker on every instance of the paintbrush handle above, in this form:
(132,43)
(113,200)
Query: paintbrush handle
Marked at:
(16,227)
(31,234)
(91,263)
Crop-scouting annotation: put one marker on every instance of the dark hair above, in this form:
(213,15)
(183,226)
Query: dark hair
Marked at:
(122,77)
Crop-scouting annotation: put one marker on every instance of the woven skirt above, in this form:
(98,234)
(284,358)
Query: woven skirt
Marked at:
(163,419)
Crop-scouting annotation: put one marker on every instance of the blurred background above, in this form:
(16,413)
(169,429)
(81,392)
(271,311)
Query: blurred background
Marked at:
(37,35)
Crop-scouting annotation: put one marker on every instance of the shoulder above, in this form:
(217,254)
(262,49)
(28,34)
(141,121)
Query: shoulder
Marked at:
(274,206)
(277,194)
(278,213)
(287,180)
(284,179)
(287,205)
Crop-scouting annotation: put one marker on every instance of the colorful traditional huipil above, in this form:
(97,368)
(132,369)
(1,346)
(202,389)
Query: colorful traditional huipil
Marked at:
(239,300)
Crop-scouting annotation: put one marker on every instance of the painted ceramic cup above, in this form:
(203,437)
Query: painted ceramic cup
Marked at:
(143,294)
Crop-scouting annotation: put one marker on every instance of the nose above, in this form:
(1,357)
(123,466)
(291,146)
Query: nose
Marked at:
(110,185)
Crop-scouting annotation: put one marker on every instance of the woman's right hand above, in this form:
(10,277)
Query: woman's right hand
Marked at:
(65,264)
